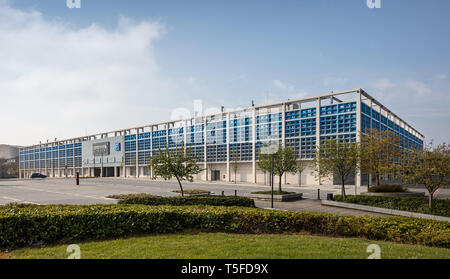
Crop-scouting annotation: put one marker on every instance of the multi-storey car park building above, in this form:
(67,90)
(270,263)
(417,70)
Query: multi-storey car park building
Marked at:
(215,139)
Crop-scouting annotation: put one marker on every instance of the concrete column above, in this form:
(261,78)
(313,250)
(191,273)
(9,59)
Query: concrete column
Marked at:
(151,149)
(205,164)
(370,116)
(227,131)
(254,145)
(45,159)
(20,162)
(318,102)
(379,116)
(73,160)
(283,131)
(185,136)
(58,169)
(137,153)
(53,165)
(124,168)
(358,136)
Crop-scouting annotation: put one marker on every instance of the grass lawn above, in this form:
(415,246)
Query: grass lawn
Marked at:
(232,246)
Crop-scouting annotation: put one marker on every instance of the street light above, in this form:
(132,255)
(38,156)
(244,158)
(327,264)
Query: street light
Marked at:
(101,173)
(270,150)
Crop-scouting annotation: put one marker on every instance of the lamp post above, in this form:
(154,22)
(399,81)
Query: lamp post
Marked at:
(270,150)
(271,178)
(94,165)
(101,172)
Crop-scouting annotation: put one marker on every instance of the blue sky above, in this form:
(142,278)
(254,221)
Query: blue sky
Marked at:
(230,52)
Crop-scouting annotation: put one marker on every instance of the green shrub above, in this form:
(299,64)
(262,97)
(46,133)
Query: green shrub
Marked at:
(22,225)
(194,200)
(413,204)
(386,189)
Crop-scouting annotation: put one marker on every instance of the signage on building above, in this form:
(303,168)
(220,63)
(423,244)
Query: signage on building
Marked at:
(101,149)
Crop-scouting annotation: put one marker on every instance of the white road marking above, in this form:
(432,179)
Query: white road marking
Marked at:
(67,194)
(17,200)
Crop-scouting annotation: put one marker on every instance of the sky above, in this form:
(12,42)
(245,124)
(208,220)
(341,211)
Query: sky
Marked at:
(115,64)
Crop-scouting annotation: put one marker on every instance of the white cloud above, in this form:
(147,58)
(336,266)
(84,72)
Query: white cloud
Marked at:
(282,85)
(383,84)
(283,91)
(335,83)
(420,89)
(56,81)
(442,76)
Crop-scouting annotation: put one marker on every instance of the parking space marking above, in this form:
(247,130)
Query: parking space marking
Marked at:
(67,194)
(17,200)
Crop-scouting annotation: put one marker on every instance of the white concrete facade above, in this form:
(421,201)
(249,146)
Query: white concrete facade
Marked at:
(248,171)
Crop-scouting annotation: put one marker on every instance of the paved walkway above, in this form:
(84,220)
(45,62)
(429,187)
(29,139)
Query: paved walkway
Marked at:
(316,206)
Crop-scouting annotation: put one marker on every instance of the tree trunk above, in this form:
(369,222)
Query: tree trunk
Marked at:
(181,187)
(430,201)
(343,187)
(279,184)
(377,178)
(235,177)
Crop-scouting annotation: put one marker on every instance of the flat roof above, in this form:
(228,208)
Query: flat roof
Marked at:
(307,99)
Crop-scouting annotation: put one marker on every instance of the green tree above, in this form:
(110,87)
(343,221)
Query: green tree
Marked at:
(12,169)
(429,167)
(178,164)
(285,161)
(337,157)
(380,151)
(264,163)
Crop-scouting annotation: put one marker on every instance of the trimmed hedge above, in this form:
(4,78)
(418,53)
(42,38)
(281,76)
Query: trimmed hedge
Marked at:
(192,200)
(387,189)
(413,204)
(22,225)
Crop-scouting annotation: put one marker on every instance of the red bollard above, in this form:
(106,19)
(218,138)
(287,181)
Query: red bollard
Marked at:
(78,178)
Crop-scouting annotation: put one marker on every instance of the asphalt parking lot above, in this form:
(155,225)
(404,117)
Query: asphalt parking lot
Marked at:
(95,191)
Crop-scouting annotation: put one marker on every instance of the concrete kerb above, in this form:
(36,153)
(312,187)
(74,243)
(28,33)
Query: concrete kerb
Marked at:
(385,210)
(278,198)
(329,188)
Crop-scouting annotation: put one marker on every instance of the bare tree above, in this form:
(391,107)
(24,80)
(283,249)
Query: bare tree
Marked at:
(235,164)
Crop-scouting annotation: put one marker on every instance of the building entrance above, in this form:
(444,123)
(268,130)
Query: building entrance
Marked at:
(215,175)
